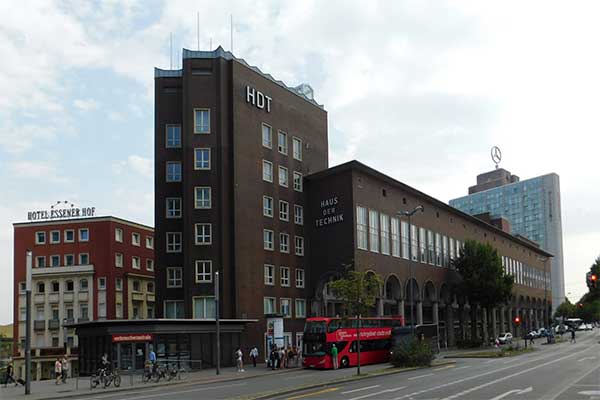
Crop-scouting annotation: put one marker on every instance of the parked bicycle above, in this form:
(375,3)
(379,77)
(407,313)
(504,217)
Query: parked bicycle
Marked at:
(105,378)
(175,373)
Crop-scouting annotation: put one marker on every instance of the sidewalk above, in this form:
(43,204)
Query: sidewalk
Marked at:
(81,386)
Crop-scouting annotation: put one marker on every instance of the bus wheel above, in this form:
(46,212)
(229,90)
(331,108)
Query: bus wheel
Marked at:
(344,363)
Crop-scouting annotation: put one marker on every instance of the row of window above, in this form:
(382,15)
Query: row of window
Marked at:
(135,238)
(285,307)
(69,286)
(284,276)
(135,262)
(54,260)
(203,307)
(201,126)
(380,233)
(40,312)
(284,242)
(202,200)
(283,175)
(201,162)
(282,142)
(284,210)
(69,236)
(203,274)
(525,274)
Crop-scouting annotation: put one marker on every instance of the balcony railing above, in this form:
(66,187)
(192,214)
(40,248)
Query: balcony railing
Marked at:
(53,324)
(39,325)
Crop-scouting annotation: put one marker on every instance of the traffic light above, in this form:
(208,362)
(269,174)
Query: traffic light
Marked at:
(594,280)
(517,320)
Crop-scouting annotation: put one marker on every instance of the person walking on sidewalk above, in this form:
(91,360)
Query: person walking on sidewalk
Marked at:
(239,360)
(58,371)
(334,356)
(65,369)
(254,355)
(9,375)
(573,336)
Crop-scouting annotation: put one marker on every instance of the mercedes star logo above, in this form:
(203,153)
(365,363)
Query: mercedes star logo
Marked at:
(496,155)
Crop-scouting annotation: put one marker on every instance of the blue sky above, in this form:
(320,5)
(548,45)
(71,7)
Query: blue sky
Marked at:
(438,83)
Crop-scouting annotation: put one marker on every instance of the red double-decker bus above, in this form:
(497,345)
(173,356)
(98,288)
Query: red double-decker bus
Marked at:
(321,333)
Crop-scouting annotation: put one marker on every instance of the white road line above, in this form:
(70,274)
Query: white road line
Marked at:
(364,396)
(298,377)
(419,377)
(509,361)
(360,389)
(586,358)
(463,367)
(491,361)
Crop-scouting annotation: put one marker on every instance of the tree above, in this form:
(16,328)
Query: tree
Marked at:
(484,281)
(358,291)
(565,310)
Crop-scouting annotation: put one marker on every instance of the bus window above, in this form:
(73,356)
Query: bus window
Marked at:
(371,345)
(314,327)
(334,325)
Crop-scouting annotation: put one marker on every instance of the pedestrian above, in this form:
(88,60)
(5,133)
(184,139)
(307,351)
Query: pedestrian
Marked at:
(65,368)
(10,370)
(239,360)
(573,336)
(254,355)
(58,371)
(334,356)
(272,357)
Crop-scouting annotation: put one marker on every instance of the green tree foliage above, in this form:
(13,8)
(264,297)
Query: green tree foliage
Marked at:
(594,293)
(565,310)
(358,290)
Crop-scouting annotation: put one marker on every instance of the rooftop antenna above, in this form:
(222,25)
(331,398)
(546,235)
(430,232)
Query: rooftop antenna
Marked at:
(198,28)
(171,54)
(231,33)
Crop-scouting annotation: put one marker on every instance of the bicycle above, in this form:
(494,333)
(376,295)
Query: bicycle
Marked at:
(175,372)
(98,377)
(113,377)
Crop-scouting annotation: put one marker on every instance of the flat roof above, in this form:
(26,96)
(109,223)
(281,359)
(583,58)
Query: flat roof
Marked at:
(157,321)
(358,166)
(83,220)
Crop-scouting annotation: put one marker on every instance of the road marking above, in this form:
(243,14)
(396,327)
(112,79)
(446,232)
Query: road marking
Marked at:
(359,389)
(419,377)
(509,361)
(579,378)
(300,396)
(517,391)
(490,361)
(443,368)
(148,396)
(590,393)
(463,367)
(364,396)
(586,358)
(298,376)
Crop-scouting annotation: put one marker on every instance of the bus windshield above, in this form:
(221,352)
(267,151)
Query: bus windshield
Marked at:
(315,327)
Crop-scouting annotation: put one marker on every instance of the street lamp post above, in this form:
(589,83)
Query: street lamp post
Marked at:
(546,323)
(28,323)
(65,334)
(409,214)
(218,328)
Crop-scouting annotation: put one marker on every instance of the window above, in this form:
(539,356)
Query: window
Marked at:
(267,139)
(395,237)
(405,246)
(267,171)
(445,258)
(284,243)
(54,341)
(203,234)
(299,242)
(269,305)
(173,207)
(102,283)
(135,239)
(118,260)
(284,210)
(119,310)
(119,284)
(297,181)
(173,171)
(119,235)
(54,236)
(22,287)
(173,136)
(203,271)
(284,276)
(202,158)
(297,144)
(282,145)
(298,214)
(83,285)
(69,259)
(150,287)
(55,261)
(284,307)
(268,206)
(136,286)
(23,314)
(283,176)
(40,238)
(374,230)
(269,274)
(174,277)
(430,248)
(204,307)
(268,239)
(84,234)
(173,242)
(40,262)
(202,197)
(149,242)
(84,259)
(422,245)
(361,228)
(414,248)
(149,264)
(300,308)
(299,278)
(438,250)
(55,287)
(69,236)
(385,234)
(201,120)
(83,311)
(174,309)
(69,286)
(41,287)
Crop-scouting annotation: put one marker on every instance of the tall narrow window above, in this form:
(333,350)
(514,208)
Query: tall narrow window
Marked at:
(203,271)
(284,243)
(173,207)
(268,241)
(446,258)
(267,137)
(283,176)
(298,215)
(438,250)
(282,144)
(430,248)
(297,144)
(297,181)
(414,237)
(202,158)
(299,242)
(173,242)
(405,246)
(269,274)
(173,136)
(174,277)
(361,228)
(284,273)
(299,278)
(284,210)
(422,245)
(374,230)
(201,120)
(173,171)
(267,171)
(452,248)
(395,237)
(268,206)
(385,234)
(202,197)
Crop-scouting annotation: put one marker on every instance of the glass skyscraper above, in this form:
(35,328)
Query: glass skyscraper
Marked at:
(533,209)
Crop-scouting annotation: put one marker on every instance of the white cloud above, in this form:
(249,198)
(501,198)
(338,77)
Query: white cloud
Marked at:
(86,104)
(134,163)
(41,171)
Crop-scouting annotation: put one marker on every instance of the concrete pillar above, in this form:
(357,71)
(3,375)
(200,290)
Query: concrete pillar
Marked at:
(435,311)
(38,371)
(380,307)
(461,321)
(419,312)
(450,324)
(494,324)
(484,325)
(401,309)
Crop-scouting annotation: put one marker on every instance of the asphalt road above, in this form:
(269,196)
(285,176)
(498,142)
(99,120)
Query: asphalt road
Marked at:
(563,371)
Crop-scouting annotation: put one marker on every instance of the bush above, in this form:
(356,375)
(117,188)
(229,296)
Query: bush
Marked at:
(413,354)
(469,343)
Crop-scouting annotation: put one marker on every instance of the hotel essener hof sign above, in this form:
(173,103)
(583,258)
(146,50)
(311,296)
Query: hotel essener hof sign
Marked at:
(58,211)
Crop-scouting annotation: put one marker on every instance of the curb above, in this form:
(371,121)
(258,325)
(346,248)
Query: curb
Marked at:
(375,374)
(70,395)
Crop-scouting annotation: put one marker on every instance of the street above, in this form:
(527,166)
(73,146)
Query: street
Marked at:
(558,372)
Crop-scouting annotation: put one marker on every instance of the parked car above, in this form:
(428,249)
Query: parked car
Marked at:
(543,332)
(505,338)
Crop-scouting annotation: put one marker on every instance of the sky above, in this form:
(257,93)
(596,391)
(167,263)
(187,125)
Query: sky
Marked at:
(420,90)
